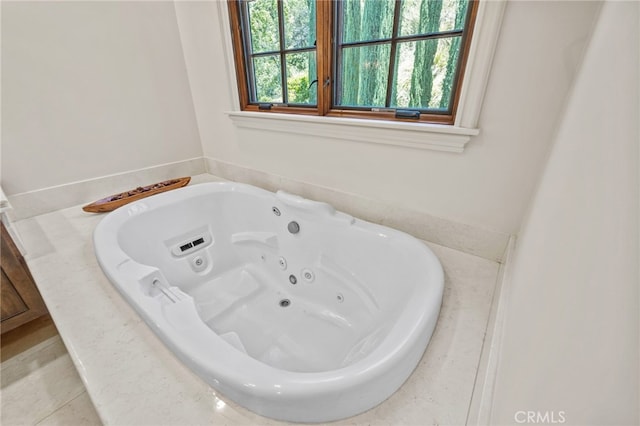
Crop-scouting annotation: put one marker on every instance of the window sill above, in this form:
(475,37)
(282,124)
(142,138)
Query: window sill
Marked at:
(413,135)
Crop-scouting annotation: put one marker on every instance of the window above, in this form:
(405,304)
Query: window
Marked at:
(384,59)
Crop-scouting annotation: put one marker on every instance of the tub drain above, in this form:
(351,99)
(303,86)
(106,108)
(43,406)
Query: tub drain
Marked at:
(284,303)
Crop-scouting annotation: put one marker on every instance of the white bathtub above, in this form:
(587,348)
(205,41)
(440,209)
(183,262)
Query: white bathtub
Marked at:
(311,322)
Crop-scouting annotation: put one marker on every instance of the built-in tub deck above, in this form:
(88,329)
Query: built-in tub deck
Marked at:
(133,378)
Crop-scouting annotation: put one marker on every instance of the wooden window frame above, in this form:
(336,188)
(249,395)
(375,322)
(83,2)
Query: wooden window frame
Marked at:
(325,15)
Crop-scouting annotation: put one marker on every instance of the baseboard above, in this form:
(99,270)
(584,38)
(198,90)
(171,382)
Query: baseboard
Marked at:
(469,239)
(482,398)
(41,201)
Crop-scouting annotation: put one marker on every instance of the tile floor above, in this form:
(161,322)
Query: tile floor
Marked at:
(39,383)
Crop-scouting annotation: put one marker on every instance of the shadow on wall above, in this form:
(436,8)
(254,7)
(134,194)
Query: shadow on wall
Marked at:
(570,346)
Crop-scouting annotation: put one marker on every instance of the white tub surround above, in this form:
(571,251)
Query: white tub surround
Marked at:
(45,200)
(475,240)
(133,378)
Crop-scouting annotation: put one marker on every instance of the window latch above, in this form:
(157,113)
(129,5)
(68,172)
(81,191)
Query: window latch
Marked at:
(326,82)
(265,106)
(408,113)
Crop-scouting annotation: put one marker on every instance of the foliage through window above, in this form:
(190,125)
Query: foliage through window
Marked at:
(359,58)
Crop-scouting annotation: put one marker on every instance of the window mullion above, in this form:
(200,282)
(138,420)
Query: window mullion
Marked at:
(392,52)
(283,62)
(324,39)
(337,33)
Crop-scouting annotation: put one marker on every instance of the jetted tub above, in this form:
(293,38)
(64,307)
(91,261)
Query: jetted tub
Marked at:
(284,305)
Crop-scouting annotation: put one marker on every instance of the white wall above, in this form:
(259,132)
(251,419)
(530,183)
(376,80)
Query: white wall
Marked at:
(571,335)
(489,185)
(95,88)
(91,89)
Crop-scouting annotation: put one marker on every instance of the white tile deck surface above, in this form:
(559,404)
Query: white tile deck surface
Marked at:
(133,379)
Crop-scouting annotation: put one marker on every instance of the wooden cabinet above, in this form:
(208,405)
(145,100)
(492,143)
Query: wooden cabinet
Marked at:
(20,300)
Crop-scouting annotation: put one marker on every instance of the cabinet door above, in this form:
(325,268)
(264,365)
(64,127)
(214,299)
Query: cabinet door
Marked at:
(12,304)
(21,300)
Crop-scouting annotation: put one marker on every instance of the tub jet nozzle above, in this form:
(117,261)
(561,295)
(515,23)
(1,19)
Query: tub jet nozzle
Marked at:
(293,227)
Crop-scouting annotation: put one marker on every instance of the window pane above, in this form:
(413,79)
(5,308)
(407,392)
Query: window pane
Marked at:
(263,23)
(364,75)
(299,23)
(268,79)
(367,20)
(301,72)
(425,71)
(402,74)
(454,13)
(409,17)
(448,53)
(431,16)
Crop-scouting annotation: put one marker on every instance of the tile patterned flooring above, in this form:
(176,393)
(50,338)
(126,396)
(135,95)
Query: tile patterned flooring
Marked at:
(39,383)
